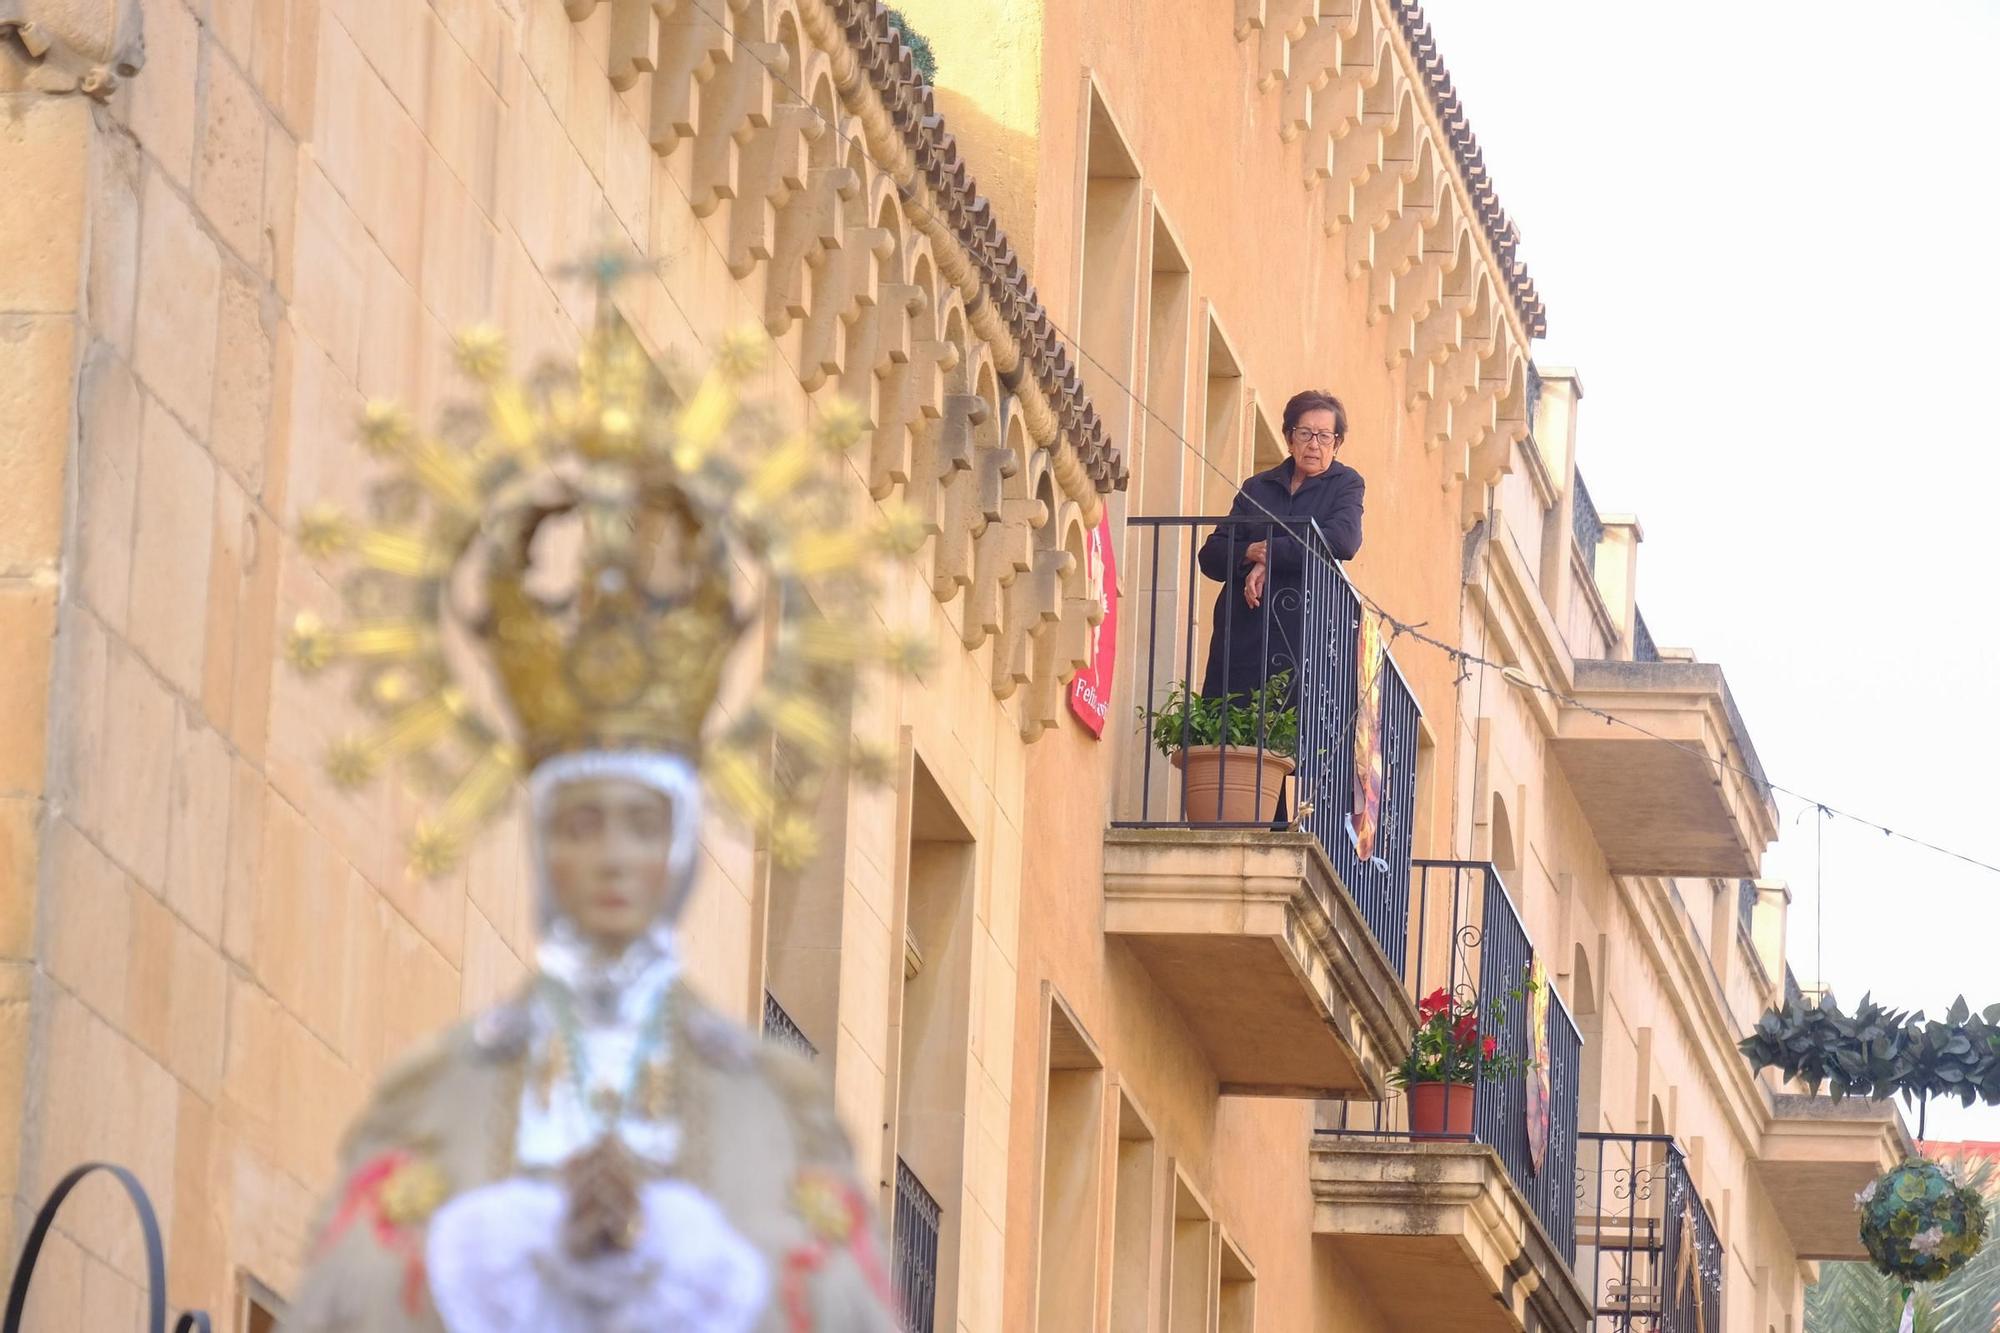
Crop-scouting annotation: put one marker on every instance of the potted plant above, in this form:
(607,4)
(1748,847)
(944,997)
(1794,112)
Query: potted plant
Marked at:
(1232,767)
(1452,1054)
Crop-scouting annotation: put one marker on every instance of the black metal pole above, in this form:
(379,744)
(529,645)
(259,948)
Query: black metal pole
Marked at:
(192,1321)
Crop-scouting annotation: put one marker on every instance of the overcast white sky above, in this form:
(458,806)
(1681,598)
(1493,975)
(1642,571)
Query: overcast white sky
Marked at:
(1763,233)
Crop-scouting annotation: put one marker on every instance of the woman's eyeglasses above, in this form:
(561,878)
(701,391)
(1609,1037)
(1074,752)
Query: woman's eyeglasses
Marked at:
(1302,435)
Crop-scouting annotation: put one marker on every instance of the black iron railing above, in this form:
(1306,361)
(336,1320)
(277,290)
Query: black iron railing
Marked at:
(779,1027)
(1643,647)
(189,1321)
(915,1244)
(1309,624)
(1647,1253)
(1469,947)
(1746,905)
(1584,523)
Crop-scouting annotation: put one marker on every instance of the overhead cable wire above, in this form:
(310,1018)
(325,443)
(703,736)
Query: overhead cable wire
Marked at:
(1399,627)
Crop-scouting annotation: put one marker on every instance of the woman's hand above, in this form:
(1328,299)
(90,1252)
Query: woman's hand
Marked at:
(1255,553)
(1253,585)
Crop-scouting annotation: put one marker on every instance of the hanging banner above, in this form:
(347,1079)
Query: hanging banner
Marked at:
(1538,1066)
(1090,692)
(1362,824)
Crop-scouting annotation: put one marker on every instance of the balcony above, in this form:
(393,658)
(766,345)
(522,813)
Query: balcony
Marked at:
(1280,942)
(1474,1229)
(1646,1248)
(1687,799)
(1817,1154)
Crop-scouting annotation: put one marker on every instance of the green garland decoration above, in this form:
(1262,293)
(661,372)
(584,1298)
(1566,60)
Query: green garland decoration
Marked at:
(919,46)
(1919,1223)
(1880,1052)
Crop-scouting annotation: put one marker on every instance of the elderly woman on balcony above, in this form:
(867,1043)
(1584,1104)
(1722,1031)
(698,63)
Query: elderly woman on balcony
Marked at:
(1260,560)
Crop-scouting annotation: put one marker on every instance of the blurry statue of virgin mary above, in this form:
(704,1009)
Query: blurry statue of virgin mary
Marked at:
(600,1153)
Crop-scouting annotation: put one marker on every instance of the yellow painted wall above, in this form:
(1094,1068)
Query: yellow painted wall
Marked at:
(210,951)
(285,213)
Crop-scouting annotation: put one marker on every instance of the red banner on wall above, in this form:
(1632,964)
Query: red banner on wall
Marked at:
(1090,692)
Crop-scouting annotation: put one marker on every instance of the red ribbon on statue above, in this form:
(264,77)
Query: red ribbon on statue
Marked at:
(397,1190)
(836,1216)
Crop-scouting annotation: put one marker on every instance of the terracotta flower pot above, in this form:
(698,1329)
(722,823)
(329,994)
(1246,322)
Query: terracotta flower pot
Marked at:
(1440,1110)
(1242,791)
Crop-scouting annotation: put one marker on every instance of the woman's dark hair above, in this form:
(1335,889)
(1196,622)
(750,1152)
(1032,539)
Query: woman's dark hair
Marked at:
(1315,400)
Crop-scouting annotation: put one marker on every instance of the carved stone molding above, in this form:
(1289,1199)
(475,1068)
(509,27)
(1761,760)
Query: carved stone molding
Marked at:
(1411,207)
(818,160)
(75,46)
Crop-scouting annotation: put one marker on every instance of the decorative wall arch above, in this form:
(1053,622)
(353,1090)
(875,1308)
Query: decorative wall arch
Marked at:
(812,146)
(1506,848)
(1062,641)
(1010,475)
(1378,200)
(1398,248)
(968,434)
(1407,193)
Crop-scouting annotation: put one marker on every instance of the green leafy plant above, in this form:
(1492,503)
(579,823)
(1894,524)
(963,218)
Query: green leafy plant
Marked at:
(1454,1045)
(919,46)
(1880,1052)
(1190,719)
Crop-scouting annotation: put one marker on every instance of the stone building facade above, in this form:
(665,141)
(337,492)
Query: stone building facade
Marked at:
(1075,280)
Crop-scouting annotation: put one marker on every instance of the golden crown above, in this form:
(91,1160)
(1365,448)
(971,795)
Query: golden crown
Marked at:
(682,515)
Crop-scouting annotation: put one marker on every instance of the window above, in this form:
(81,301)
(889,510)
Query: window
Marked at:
(804,911)
(1108,298)
(1222,437)
(1072,1125)
(1157,560)
(1422,824)
(1133,1228)
(258,1307)
(915,1252)
(1170,298)
(1191,1254)
(932,1053)
(1504,850)
(1236,1297)
(1582,995)
(1266,449)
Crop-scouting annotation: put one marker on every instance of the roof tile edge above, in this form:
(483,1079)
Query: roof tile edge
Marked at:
(887,64)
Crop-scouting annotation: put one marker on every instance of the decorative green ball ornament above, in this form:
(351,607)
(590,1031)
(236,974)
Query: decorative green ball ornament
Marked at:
(1919,1223)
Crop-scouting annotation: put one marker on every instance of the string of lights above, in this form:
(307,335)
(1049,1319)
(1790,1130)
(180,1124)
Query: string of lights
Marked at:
(1399,628)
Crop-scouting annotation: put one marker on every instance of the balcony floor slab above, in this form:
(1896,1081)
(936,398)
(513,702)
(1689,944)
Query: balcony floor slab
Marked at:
(1816,1156)
(1440,1238)
(1254,939)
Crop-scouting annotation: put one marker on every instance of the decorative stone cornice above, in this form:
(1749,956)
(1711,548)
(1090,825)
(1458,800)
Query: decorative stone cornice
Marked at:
(1229,890)
(1429,1220)
(75,46)
(1032,356)
(1405,198)
(816,163)
(1501,233)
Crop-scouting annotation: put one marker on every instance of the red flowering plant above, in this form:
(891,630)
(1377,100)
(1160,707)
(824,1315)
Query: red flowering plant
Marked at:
(1456,1044)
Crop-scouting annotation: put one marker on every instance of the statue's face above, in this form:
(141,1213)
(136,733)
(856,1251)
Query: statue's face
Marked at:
(606,844)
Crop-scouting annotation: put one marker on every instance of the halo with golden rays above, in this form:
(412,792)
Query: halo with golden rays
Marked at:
(692,517)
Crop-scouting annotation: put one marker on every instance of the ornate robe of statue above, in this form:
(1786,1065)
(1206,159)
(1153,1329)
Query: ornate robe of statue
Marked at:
(600,1154)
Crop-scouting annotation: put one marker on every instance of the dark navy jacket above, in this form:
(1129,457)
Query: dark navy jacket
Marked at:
(1242,651)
